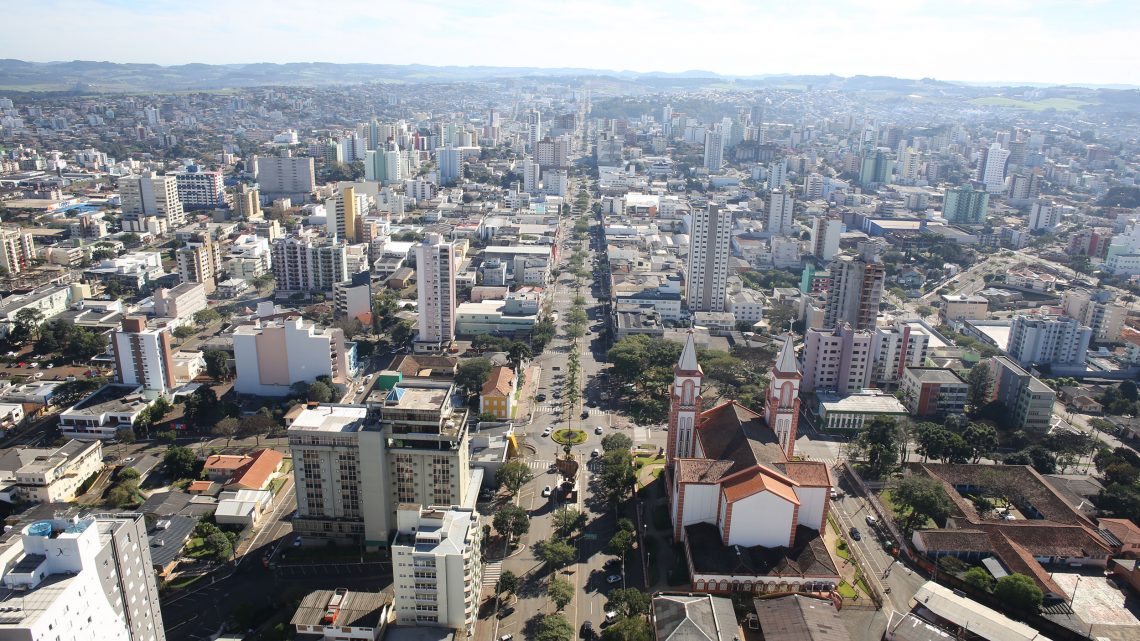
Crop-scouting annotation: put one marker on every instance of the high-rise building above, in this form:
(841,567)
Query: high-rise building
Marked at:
(353,298)
(435,292)
(714,149)
(16,250)
(778,174)
(440,547)
(813,186)
(825,233)
(876,168)
(1029,401)
(304,263)
(199,261)
(856,291)
(180,302)
(992,168)
(384,164)
(343,214)
(1098,310)
(908,166)
(837,360)
(247,202)
(270,356)
(1052,340)
(781,208)
(533,128)
(1024,186)
(553,153)
(200,189)
(531,173)
(709,251)
(965,205)
(150,195)
(142,355)
(448,159)
(896,348)
(1044,215)
(81,579)
(285,176)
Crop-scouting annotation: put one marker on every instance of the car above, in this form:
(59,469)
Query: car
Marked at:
(547,431)
(595,454)
(506,637)
(854,532)
(297,541)
(587,631)
(553,469)
(546,491)
(129,459)
(613,578)
(585,413)
(872,521)
(598,430)
(540,397)
(49,366)
(557,394)
(591,403)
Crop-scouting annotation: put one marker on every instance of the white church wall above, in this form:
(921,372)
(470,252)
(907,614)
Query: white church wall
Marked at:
(700,504)
(812,502)
(761,519)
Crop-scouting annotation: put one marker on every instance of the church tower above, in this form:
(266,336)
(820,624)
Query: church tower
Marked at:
(684,405)
(782,405)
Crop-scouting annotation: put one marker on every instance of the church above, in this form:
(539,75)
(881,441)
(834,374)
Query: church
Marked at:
(748,513)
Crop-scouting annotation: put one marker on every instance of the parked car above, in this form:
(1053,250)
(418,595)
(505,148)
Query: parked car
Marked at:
(540,397)
(587,631)
(585,413)
(546,491)
(871,520)
(595,454)
(854,532)
(598,430)
(297,541)
(613,578)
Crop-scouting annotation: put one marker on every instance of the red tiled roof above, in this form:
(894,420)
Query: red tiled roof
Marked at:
(500,382)
(1122,529)
(808,473)
(222,462)
(754,481)
(262,465)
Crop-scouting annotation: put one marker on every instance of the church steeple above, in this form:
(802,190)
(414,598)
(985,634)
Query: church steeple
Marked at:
(684,404)
(782,403)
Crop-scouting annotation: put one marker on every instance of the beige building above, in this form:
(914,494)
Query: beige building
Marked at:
(199,261)
(149,196)
(16,249)
(958,307)
(180,302)
(49,475)
(272,355)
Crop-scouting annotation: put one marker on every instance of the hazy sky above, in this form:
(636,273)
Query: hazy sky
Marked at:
(1061,41)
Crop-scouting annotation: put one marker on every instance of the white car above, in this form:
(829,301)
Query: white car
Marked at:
(546,491)
(598,430)
(547,432)
(596,453)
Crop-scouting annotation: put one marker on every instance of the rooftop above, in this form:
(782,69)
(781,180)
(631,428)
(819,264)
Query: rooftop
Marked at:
(807,557)
(978,619)
(866,402)
(357,609)
(935,375)
(330,418)
(799,618)
(111,399)
(689,617)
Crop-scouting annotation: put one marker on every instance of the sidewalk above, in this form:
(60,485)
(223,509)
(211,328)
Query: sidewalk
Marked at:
(848,570)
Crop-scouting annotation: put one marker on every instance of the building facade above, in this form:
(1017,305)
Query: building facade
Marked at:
(437,567)
(855,294)
(143,355)
(270,356)
(1054,340)
(435,293)
(148,196)
(709,252)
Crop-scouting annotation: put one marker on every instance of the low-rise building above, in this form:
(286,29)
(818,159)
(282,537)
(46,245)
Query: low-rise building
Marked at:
(933,391)
(180,302)
(272,355)
(848,413)
(498,394)
(107,410)
(491,317)
(957,307)
(342,615)
(50,475)
(438,572)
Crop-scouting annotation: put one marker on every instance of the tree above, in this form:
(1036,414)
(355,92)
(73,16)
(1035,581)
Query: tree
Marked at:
(982,440)
(1018,591)
(567,520)
(878,440)
(616,441)
(554,627)
(28,321)
(617,474)
(123,494)
(226,428)
(517,353)
(180,462)
(512,522)
(217,364)
(981,381)
(508,583)
(131,239)
(561,592)
(1036,455)
(979,578)
(621,543)
(924,497)
(472,374)
(207,316)
(513,475)
(629,629)
(127,474)
(220,546)
(125,435)
(554,552)
(319,392)
(70,392)
(256,425)
(628,602)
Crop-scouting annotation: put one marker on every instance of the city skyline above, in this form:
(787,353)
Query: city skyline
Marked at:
(985,42)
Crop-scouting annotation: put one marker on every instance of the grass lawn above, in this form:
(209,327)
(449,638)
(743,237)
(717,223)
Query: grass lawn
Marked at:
(275,485)
(184,581)
(642,461)
(842,551)
(834,525)
(845,590)
(1060,104)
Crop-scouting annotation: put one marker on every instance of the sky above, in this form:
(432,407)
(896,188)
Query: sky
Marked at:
(1040,41)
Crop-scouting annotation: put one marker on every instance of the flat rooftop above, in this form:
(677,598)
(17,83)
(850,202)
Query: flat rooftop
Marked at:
(866,403)
(330,418)
(111,399)
(419,398)
(358,609)
(935,375)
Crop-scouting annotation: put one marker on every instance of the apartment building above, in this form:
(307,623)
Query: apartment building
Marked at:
(142,355)
(248,257)
(933,391)
(837,360)
(285,176)
(825,232)
(180,302)
(435,293)
(306,263)
(855,294)
(896,348)
(150,196)
(52,474)
(1054,340)
(16,250)
(956,307)
(81,579)
(1029,401)
(270,356)
(200,189)
(710,243)
(199,261)
(436,566)
(1098,310)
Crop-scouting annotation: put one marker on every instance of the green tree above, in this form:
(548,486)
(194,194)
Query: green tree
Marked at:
(472,374)
(567,520)
(125,435)
(554,627)
(982,440)
(220,546)
(981,382)
(256,425)
(616,441)
(617,474)
(217,364)
(513,475)
(123,494)
(925,499)
(1019,592)
(979,578)
(512,522)
(319,392)
(180,462)
(621,543)
(629,629)
(127,474)
(556,553)
(508,583)
(879,442)
(517,353)
(561,592)
(226,428)
(207,316)
(28,321)
(628,602)
(71,392)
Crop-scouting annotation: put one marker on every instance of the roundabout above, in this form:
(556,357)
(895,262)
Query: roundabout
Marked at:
(566,436)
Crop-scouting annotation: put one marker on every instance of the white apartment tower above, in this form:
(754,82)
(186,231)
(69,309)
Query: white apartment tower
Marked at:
(306,264)
(16,250)
(714,149)
(825,232)
(142,355)
(1044,215)
(435,276)
(781,207)
(438,569)
(992,167)
(531,173)
(150,195)
(201,189)
(533,128)
(81,579)
(709,252)
(778,174)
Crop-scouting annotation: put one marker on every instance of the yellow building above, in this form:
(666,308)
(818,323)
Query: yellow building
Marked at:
(498,395)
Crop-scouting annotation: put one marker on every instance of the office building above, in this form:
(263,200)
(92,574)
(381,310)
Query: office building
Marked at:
(272,355)
(344,213)
(933,391)
(148,196)
(306,263)
(856,291)
(16,250)
(143,355)
(354,465)
(1098,310)
(199,261)
(285,177)
(781,209)
(709,251)
(965,206)
(81,579)
(992,167)
(200,189)
(825,231)
(437,566)
(1051,340)
(435,293)
(714,150)
(837,360)
(1044,215)
(1029,402)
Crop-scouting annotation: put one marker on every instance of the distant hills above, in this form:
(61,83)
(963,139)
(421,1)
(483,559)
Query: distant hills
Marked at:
(83,76)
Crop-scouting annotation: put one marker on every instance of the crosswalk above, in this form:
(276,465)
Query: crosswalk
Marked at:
(539,464)
(549,408)
(492,570)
